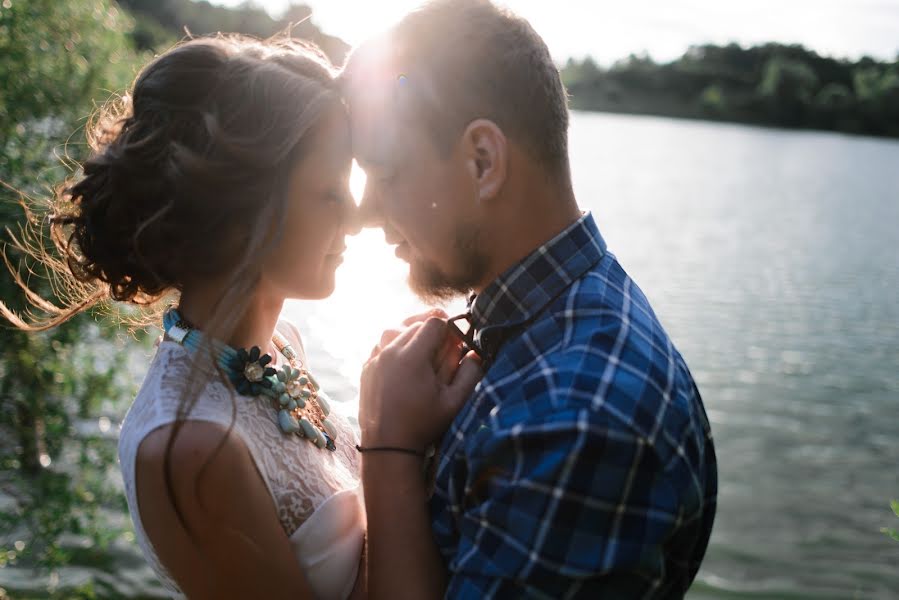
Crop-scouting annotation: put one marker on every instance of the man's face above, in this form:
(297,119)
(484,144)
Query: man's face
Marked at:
(425,200)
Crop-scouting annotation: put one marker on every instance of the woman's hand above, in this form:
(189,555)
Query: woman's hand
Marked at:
(391,334)
(414,384)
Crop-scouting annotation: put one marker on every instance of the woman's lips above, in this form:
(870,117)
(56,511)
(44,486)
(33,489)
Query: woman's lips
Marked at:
(336,257)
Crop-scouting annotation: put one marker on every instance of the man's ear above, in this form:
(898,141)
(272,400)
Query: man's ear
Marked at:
(487,155)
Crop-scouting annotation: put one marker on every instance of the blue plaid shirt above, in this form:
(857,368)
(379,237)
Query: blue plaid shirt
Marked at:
(583,464)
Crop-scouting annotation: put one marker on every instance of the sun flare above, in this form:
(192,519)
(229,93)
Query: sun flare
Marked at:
(357,182)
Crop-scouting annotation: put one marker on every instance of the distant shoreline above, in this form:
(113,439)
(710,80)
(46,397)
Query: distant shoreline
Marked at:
(754,125)
(772,85)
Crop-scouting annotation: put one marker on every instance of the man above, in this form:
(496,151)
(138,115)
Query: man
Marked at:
(582,464)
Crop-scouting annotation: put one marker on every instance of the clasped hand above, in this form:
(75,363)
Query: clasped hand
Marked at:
(414,384)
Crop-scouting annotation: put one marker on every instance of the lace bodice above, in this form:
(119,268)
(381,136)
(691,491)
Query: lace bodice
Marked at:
(299,476)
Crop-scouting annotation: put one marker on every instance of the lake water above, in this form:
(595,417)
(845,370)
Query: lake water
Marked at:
(771,258)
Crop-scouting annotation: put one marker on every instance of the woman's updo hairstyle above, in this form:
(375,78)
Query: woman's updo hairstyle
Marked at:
(188,173)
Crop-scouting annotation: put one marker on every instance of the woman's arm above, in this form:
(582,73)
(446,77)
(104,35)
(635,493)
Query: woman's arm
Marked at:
(411,389)
(229,542)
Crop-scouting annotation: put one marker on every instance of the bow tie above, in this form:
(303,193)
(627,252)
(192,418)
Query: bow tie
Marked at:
(466,333)
(484,341)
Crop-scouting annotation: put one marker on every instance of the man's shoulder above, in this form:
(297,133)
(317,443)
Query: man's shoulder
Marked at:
(603,317)
(606,294)
(602,307)
(600,349)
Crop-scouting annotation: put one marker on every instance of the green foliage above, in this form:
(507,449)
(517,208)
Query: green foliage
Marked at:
(65,493)
(835,97)
(576,72)
(55,58)
(892,532)
(713,100)
(787,88)
(159,19)
(877,89)
(772,84)
(836,107)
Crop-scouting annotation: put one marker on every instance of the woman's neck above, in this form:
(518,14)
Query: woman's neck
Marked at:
(255,327)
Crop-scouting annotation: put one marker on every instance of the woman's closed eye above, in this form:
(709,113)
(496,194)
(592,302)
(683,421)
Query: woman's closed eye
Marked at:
(338,195)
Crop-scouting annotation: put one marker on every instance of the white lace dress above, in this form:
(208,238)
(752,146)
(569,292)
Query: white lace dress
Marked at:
(317,493)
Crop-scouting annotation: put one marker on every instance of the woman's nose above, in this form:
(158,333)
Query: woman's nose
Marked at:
(352,224)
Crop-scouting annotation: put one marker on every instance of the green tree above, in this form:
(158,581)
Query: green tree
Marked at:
(787,88)
(877,89)
(55,58)
(713,101)
(834,107)
(773,84)
(179,16)
(577,73)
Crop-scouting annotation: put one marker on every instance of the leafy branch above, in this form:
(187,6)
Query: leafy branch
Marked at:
(892,532)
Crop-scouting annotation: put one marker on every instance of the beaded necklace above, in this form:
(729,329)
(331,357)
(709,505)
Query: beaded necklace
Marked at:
(294,393)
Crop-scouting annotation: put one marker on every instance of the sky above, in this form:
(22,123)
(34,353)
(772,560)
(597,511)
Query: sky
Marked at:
(612,29)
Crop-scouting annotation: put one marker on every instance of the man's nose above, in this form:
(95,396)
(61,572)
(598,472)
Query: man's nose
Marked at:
(352,223)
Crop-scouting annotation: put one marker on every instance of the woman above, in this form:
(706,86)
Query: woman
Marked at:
(222,182)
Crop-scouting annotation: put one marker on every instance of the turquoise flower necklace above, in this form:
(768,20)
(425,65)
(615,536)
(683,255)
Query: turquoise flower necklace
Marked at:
(294,393)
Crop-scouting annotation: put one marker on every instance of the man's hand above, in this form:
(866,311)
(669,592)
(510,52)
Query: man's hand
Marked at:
(414,385)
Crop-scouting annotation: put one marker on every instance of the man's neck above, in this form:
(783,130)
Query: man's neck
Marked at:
(543,213)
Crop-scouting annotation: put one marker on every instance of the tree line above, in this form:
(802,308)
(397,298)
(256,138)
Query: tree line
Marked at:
(158,21)
(771,84)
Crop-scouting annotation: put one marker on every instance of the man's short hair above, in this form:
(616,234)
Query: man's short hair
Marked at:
(461,60)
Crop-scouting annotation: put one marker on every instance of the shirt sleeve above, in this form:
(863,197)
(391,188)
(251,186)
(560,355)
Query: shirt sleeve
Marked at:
(564,504)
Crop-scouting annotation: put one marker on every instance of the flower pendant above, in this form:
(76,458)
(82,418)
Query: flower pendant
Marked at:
(249,371)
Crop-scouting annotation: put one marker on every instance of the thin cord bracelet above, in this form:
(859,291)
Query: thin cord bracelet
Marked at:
(390,449)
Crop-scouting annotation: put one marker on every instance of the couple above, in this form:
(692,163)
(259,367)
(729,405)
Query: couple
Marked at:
(573,457)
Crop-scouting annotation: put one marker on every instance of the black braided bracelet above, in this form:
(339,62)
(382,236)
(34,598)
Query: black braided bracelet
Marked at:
(390,449)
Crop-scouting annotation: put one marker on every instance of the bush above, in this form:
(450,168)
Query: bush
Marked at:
(55,57)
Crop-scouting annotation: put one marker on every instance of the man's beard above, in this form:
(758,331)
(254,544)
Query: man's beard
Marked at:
(433,286)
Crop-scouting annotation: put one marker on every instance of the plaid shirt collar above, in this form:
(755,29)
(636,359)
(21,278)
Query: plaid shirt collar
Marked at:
(520,294)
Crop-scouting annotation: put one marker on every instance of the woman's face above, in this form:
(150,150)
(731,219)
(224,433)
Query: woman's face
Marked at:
(319,213)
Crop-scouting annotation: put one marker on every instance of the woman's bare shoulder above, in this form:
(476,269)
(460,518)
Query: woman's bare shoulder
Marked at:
(206,462)
(215,528)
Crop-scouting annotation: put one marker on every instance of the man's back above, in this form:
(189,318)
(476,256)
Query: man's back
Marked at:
(583,463)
